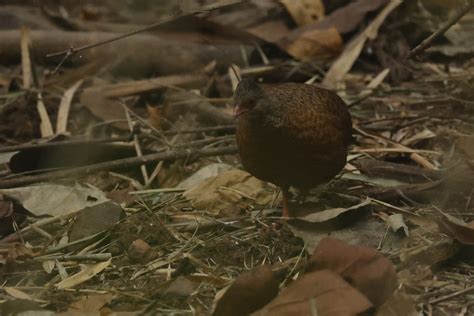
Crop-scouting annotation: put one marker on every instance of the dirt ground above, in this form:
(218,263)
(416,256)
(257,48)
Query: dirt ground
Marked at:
(122,191)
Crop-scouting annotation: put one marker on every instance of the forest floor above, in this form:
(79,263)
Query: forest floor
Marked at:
(121,189)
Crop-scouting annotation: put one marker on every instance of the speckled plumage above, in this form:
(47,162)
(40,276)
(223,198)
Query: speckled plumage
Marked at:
(291,134)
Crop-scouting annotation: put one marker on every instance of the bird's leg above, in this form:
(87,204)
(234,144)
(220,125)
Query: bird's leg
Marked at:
(285,194)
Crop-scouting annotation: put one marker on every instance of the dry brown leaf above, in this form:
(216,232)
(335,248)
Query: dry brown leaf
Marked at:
(322,293)
(323,39)
(271,31)
(457,229)
(204,173)
(230,191)
(316,44)
(364,267)
(344,63)
(88,305)
(94,219)
(54,199)
(304,12)
(16,293)
(398,304)
(428,254)
(332,213)
(181,287)
(249,292)
(19,251)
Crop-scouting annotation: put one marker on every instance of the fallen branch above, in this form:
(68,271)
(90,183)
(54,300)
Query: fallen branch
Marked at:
(169,155)
(9,149)
(429,40)
(71,50)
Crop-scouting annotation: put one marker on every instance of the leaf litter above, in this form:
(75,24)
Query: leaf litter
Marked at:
(190,232)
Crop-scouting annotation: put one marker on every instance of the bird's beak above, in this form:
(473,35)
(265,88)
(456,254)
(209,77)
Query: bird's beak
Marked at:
(238,109)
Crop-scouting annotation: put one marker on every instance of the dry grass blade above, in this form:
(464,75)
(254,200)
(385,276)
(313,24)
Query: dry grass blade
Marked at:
(25,58)
(64,106)
(344,63)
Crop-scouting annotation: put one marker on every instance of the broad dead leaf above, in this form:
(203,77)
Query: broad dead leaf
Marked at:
(54,199)
(332,213)
(88,305)
(316,44)
(249,292)
(94,219)
(364,267)
(181,287)
(344,63)
(457,229)
(323,39)
(362,231)
(322,293)
(304,12)
(230,191)
(16,293)
(398,304)
(204,173)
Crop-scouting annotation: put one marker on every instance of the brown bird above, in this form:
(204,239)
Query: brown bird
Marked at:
(291,134)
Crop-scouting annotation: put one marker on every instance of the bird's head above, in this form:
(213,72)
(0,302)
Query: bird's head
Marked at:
(246,96)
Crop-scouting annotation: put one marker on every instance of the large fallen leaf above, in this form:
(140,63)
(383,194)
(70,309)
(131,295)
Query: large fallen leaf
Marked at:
(304,12)
(88,305)
(322,38)
(428,254)
(398,304)
(95,219)
(332,213)
(249,292)
(230,191)
(363,267)
(87,273)
(322,293)
(54,199)
(316,44)
(344,63)
(457,229)
(363,231)
(204,173)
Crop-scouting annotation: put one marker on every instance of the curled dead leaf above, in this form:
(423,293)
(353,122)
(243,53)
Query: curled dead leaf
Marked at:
(363,267)
(457,229)
(229,191)
(249,292)
(304,12)
(316,44)
(322,293)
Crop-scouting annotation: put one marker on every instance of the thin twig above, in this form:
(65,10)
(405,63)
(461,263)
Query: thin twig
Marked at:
(202,130)
(447,297)
(86,257)
(71,50)
(169,155)
(66,143)
(429,40)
